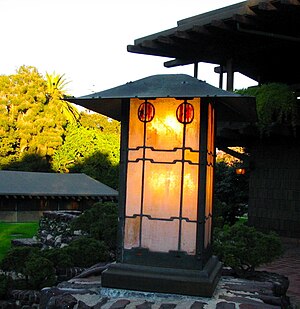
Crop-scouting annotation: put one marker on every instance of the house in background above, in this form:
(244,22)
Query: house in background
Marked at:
(260,39)
(25,195)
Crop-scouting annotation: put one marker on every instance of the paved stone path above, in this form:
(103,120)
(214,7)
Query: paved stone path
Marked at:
(289,265)
(230,293)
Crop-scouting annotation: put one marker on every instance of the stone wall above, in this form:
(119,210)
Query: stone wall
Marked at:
(274,190)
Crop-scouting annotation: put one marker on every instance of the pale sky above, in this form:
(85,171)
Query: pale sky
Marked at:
(86,39)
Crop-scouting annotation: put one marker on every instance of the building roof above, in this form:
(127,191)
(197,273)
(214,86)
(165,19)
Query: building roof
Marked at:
(231,106)
(35,184)
(260,37)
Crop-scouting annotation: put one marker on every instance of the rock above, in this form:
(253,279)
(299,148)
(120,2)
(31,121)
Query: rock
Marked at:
(224,305)
(82,305)
(77,233)
(57,241)
(62,301)
(46,294)
(198,305)
(145,305)
(120,304)
(26,242)
(49,237)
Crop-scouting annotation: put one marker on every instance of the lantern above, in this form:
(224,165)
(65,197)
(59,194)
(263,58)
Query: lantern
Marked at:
(166,182)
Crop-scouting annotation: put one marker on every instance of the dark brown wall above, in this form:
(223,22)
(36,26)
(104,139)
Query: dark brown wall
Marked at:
(22,210)
(274,195)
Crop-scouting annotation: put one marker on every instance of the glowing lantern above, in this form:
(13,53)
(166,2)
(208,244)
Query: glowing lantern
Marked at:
(240,171)
(166,188)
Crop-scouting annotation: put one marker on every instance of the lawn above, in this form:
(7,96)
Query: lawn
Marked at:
(9,231)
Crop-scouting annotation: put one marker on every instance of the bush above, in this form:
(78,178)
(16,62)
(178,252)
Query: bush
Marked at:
(243,248)
(231,194)
(59,257)
(40,272)
(100,222)
(86,251)
(4,284)
(16,257)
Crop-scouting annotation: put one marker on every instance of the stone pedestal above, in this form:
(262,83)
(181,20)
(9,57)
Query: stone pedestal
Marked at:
(164,280)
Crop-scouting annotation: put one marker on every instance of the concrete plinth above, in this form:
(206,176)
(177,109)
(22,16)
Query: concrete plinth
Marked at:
(164,280)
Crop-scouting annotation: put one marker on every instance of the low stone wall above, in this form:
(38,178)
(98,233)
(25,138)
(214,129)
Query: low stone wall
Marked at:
(55,230)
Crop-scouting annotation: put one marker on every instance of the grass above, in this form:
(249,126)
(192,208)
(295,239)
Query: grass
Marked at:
(9,231)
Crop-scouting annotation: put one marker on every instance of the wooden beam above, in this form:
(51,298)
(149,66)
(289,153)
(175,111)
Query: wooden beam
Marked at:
(245,20)
(266,6)
(165,40)
(183,35)
(230,75)
(200,30)
(177,62)
(137,49)
(220,24)
(290,2)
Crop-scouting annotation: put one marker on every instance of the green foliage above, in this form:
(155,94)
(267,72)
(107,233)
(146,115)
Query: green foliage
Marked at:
(56,90)
(100,122)
(275,103)
(231,194)
(89,151)
(31,122)
(243,248)
(100,222)
(59,257)
(4,285)
(85,251)
(40,272)
(9,231)
(29,162)
(16,258)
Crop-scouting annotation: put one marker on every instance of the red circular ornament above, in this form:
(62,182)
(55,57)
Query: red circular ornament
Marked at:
(185,113)
(146,112)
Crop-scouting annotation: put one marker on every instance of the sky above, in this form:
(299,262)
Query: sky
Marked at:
(87,39)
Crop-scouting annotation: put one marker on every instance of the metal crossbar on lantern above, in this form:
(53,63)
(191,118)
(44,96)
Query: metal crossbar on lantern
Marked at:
(166,181)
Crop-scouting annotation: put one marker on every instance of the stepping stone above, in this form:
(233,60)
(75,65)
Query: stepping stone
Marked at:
(120,304)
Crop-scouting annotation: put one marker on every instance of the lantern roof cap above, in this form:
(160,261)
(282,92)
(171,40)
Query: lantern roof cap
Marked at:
(108,102)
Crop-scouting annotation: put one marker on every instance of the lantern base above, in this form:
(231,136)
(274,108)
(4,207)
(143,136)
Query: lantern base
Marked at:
(164,280)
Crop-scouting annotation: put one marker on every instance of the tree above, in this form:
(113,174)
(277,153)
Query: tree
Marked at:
(89,151)
(56,91)
(30,123)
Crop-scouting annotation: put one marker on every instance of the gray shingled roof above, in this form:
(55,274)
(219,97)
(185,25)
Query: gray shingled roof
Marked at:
(230,106)
(17,183)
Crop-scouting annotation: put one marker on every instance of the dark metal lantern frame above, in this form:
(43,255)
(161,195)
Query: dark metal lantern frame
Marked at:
(178,258)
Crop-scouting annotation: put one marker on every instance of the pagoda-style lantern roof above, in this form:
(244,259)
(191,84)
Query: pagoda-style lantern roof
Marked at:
(230,106)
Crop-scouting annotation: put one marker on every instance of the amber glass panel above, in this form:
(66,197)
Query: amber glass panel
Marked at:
(132,232)
(188,243)
(162,190)
(190,192)
(160,172)
(160,236)
(209,174)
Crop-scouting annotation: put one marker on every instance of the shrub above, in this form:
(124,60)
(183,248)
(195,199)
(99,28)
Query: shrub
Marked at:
(59,257)
(16,257)
(100,222)
(4,284)
(86,251)
(231,194)
(37,270)
(243,248)
(40,272)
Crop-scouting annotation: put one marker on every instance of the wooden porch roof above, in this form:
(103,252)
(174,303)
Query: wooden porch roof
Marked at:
(261,38)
